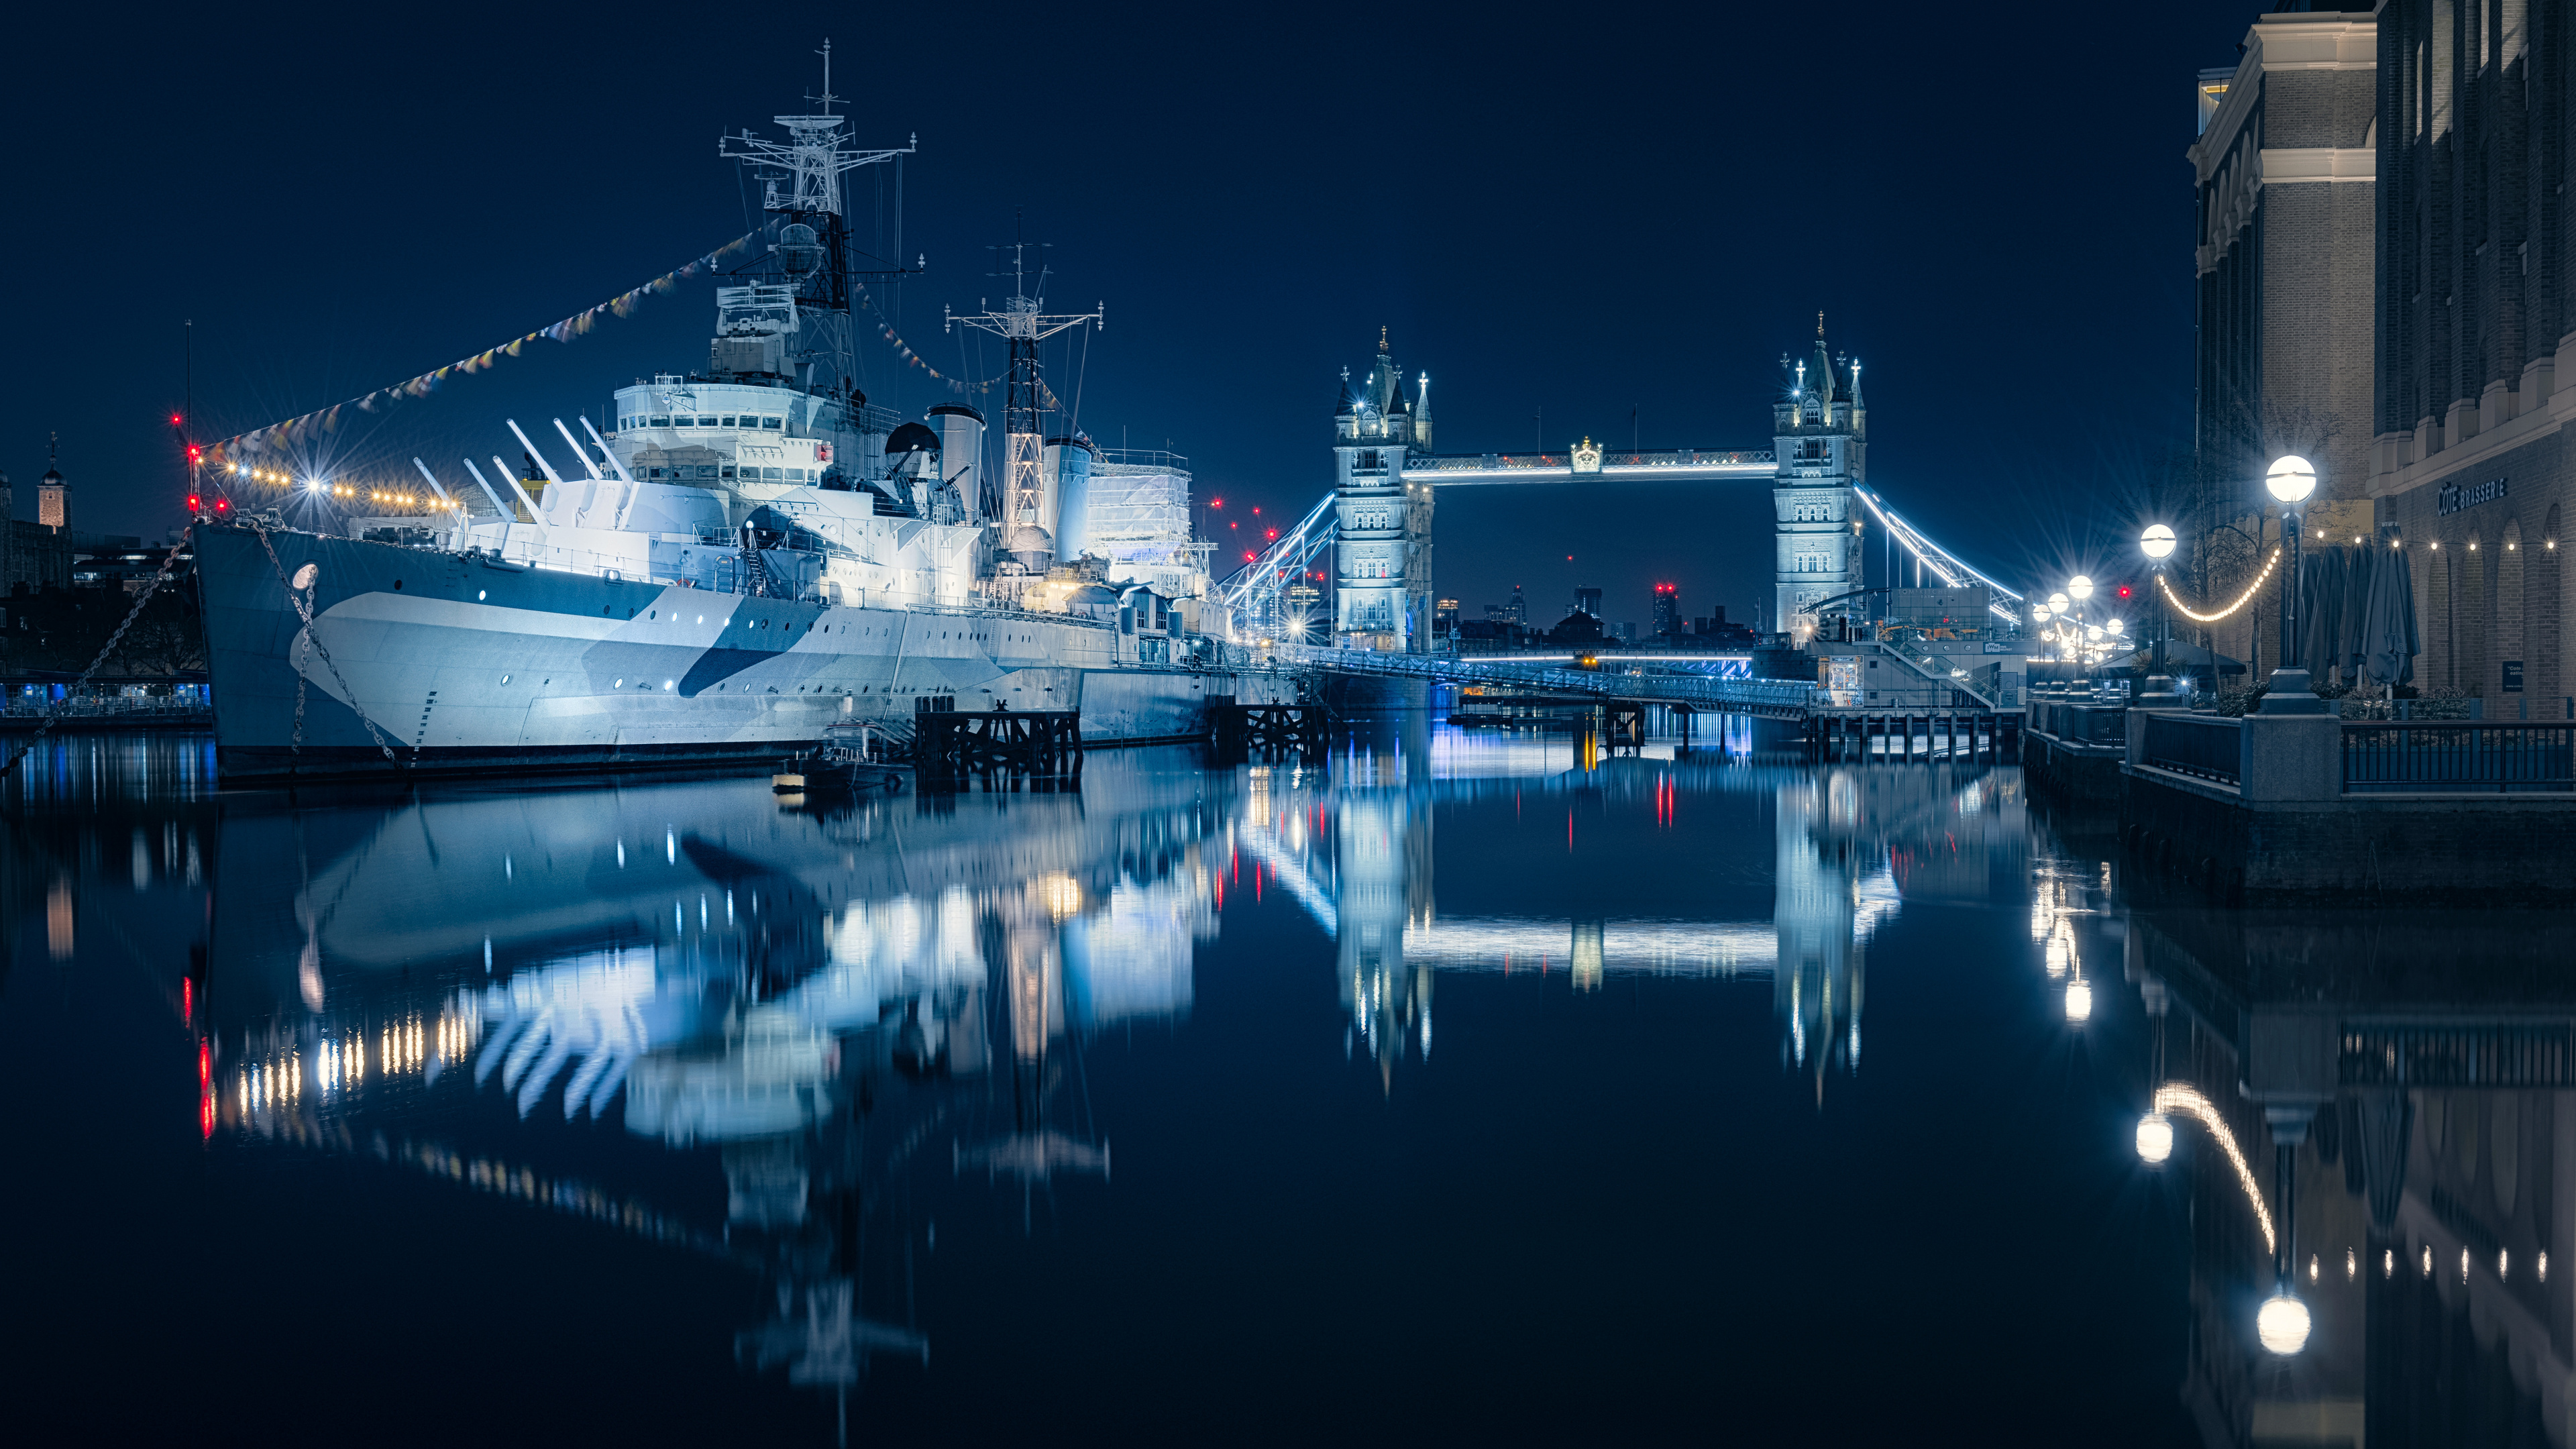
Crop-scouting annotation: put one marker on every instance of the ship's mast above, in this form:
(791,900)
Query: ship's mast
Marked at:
(801,186)
(1024,322)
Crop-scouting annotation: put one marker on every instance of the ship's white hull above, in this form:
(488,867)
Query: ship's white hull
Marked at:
(462,661)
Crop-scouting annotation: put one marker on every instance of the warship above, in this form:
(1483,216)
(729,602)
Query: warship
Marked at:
(735,558)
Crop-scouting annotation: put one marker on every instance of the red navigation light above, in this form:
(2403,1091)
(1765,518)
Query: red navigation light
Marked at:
(223,505)
(196,454)
(174,420)
(1256,508)
(1274,533)
(193,503)
(1216,503)
(2124,591)
(1247,555)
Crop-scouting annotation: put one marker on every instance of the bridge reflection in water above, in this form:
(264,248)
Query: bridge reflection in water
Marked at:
(817,1053)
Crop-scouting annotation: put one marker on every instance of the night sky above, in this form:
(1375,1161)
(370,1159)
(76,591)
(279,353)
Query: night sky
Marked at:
(1592,213)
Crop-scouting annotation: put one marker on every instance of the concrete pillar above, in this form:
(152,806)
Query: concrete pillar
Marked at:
(2291,757)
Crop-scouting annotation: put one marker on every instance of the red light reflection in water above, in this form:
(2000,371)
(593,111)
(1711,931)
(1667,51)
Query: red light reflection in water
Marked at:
(187,1001)
(205,1088)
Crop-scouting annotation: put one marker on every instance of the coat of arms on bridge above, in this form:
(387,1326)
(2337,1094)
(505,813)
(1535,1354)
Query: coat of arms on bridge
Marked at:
(1587,457)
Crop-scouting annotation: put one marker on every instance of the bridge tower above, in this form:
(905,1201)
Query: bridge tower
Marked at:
(1383,558)
(1822,432)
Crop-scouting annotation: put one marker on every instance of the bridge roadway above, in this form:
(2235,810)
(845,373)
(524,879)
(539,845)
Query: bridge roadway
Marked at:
(1721,684)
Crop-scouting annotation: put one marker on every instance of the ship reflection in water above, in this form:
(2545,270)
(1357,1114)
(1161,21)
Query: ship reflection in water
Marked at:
(773,1096)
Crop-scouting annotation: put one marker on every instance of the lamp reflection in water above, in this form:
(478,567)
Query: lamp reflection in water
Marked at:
(2155,1138)
(2282,1323)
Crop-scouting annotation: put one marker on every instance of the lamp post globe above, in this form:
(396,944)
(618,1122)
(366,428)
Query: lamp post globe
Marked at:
(2057,602)
(2113,625)
(2157,542)
(2079,588)
(2291,479)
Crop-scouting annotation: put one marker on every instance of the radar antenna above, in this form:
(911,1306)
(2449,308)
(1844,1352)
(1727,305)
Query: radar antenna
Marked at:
(807,274)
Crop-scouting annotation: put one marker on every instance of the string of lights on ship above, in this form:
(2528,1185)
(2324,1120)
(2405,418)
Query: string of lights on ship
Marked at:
(336,490)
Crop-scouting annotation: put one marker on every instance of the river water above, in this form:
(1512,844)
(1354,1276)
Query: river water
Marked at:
(1464,1083)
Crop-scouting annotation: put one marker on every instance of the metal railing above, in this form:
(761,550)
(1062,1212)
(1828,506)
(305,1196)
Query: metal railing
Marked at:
(2459,1053)
(1938,669)
(2081,724)
(83,707)
(2457,756)
(2202,746)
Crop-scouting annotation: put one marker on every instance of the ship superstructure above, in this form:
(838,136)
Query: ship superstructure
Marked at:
(733,560)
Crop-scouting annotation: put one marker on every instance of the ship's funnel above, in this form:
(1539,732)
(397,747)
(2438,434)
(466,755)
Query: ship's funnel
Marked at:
(1065,504)
(961,454)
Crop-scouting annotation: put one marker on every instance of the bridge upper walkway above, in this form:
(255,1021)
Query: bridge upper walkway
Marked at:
(1256,592)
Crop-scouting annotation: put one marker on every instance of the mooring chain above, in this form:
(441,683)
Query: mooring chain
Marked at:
(304,609)
(303,646)
(168,562)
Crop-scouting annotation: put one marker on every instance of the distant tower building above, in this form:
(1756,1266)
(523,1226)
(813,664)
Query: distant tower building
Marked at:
(8,535)
(1587,600)
(1821,428)
(1383,580)
(53,496)
(1668,609)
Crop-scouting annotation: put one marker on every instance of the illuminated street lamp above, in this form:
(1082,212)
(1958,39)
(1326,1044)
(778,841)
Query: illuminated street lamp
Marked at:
(2157,543)
(2291,479)
(2079,588)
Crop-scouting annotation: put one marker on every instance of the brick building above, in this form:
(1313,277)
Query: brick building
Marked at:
(2284,299)
(2470,460)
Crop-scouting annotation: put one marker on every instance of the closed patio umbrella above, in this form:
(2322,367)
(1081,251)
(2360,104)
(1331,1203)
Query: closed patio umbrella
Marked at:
(2321,596)
(2362,563)
(2389,642)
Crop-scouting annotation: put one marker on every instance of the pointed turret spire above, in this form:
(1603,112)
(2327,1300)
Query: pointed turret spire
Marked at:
(1824,366)
(1348,403)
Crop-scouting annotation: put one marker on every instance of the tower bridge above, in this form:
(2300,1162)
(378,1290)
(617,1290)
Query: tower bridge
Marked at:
(1376,522)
